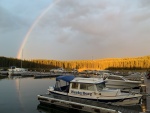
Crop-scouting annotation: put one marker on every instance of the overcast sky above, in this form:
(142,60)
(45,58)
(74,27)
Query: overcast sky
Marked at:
(75,29)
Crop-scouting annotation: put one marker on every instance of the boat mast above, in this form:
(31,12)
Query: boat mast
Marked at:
(21,58)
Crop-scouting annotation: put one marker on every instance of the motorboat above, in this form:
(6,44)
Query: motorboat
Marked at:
(13,70)
(120,82)
(58,70)
(93,89)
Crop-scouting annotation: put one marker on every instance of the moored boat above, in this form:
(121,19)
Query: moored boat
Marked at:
(13,70)
(92,89)
(120,82)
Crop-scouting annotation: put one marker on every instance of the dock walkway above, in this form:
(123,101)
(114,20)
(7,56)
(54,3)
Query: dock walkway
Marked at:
(93,106)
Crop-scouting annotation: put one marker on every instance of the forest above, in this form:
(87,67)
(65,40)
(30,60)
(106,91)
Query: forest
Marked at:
(136,63)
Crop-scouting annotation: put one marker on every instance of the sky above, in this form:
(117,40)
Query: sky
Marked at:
(74,29)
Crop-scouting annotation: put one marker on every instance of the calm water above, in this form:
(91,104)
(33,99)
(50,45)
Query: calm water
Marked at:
(19,95)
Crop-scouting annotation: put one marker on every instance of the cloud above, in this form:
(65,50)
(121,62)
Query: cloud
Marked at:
(16,17)
(11,31)
(95,28)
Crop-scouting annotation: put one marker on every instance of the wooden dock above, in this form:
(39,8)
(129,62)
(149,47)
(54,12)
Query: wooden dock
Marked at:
(45,75)
(86,105)
(49,75)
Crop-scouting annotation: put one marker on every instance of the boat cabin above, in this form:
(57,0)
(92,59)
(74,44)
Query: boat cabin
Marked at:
(86,86)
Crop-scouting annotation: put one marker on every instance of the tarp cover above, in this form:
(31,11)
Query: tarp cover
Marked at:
(66,78)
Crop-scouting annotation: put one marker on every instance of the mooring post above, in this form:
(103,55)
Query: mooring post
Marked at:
(143,91)
(142,80)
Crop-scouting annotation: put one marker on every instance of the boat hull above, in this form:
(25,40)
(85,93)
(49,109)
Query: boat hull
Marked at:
(132,100)
(122,84)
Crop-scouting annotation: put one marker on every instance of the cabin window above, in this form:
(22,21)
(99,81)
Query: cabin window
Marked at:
(74,85)
(13,67)
(87,87)
(61,85)
(100,86)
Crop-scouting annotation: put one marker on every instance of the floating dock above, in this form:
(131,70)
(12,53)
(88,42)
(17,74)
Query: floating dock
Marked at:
(45,75)
(86,105)
(48,75)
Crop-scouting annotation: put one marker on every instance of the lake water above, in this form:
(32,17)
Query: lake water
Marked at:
(19,95)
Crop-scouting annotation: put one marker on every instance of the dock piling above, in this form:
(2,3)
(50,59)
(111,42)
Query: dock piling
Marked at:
(143,91)
(142,80)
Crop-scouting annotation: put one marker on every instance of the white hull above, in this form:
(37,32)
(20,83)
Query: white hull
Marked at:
(16,71)
(114,100)
(116,81)
(122,84)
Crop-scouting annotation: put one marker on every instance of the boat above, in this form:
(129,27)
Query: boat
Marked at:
(58,70)
(93,89)
(13,70)
(120,82)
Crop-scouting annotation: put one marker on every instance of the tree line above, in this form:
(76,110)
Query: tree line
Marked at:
(98,64)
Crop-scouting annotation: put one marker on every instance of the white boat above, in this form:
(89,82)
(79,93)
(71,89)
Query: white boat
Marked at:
(120,82)
(13,70)
(92,89)
(58,70)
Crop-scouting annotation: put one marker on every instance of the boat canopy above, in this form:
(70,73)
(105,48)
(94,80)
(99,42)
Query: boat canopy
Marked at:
(66,78)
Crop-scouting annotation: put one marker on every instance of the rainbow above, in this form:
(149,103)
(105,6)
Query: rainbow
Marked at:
(32,27)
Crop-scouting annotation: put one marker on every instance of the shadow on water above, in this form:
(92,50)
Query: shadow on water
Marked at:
(56,109)
(49,108)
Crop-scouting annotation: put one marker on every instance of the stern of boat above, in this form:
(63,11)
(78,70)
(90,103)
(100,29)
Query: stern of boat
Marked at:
(131,100)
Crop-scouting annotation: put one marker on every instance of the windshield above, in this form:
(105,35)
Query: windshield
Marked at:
(100,86)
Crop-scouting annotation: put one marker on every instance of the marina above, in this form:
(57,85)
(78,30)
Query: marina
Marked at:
(74,56)
(76,103)
(44,100)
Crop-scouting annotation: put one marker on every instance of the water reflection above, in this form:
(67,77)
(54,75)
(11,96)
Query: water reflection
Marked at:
(18,91)
(56,109)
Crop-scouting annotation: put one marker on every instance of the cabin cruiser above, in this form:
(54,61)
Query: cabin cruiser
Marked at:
(13,70)
(120,82)
(92,89)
